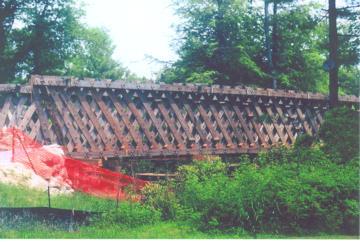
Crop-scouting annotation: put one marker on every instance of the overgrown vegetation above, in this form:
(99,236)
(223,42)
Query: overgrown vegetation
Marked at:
(340,133)
(308,189)
(302,189)
(307,194)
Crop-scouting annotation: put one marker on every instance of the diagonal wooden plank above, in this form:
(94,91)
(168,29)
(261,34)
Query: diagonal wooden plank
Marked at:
(267,126)
(256,126)
(155,121)
(244,124)
(319,115)
(93,118)
(196,122)
(113,124)
(274,121)
(311,118)
(54,121)
(205,117)
(44,124)
(12,113)
(64,113)
(171,125)
(122,112)
(35,128)
(89,125)
(232,124)
(5,110)
(181,119)
(221,125)
(286,124)
(69,146)
(302,118)
(19,109)
(25,120)
(78,120)
(144,126)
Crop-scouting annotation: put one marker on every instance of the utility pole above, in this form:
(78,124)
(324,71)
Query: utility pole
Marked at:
(333,41)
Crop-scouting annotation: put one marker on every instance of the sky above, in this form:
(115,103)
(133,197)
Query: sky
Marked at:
(138,28)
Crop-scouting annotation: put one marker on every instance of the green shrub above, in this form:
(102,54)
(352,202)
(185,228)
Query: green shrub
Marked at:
(203,191)
(131,214)
(302,198)
(162,198)
(340,133)
(287,190)
(304,141)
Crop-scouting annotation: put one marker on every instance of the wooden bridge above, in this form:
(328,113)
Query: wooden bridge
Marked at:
(104,119)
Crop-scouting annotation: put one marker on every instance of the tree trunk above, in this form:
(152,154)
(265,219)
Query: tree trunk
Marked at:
(268,44)
(274,44)
(333,73)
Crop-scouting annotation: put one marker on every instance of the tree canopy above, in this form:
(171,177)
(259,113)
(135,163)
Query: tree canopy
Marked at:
(47,37)
(229,42)
(269,43)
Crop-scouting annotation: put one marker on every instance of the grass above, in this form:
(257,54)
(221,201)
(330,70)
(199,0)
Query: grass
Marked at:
(14,196)
(17,196)
(162,230)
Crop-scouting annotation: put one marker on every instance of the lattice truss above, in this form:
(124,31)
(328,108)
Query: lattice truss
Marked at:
(93,122)
(29,115)
(128,120)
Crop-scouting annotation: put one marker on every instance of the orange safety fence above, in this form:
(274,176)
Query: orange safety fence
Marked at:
(79,175)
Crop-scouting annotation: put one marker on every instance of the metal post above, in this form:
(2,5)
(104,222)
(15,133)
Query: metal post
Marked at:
(49,193)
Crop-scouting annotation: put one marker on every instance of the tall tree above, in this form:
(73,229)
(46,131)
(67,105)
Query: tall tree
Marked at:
(35,36)
(216,44)
(269,50)
(333,51)
(344,49)
(47,37)
(272,42)
(233,50)
(93,57)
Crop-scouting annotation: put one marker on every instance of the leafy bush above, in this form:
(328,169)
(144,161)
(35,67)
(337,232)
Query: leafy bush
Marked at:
(161,198)
(204,191)
(340,133)
(298,198)
(131,214)
(304,141)
(287,190)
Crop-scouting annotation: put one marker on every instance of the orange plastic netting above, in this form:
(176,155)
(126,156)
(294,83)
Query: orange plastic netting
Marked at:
(79,175)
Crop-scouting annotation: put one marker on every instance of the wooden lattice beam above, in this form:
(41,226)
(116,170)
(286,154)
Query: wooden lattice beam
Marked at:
(98,119)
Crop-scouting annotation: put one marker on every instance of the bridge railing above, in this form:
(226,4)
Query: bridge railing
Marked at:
(100,119)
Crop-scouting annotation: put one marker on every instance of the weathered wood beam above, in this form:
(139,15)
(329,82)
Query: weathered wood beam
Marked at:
(213,89)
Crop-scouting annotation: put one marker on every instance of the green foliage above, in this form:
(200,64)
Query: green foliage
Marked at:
(18,196)
(47,37)
(284,191)
(40,41)
(304,141)
(93,57)
(204,191)
(298,56)
(217,45)
(223,42)
(340,133)
(298,198)
(131,214)
(349,80)
(162,230)
(161,198)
